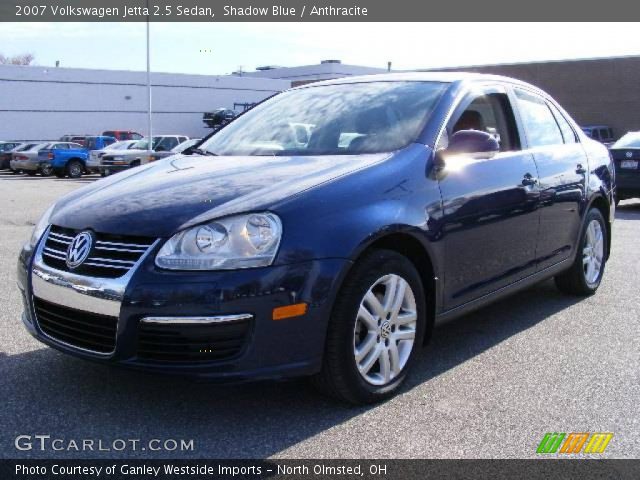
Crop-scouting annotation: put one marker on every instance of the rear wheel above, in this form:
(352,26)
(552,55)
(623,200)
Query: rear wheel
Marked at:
(46,170)
(376,327)
(74,169)
(585,275)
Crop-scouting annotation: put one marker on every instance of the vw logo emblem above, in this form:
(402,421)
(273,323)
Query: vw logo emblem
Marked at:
(79,249)
(629,154)
(385,330)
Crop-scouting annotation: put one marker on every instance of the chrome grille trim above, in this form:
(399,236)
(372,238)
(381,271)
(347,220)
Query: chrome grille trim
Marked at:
(109,258)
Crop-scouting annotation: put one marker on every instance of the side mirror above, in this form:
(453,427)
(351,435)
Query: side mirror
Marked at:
(480,144)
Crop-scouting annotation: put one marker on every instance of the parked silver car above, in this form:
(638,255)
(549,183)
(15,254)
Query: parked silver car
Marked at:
(175,150)
(28,162)
(93,162)
(139,153)
(7,149)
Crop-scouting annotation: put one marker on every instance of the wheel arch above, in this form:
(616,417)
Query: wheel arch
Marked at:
(409,246)
(600,202)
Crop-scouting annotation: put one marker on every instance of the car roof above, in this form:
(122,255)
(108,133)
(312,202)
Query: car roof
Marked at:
(443,77)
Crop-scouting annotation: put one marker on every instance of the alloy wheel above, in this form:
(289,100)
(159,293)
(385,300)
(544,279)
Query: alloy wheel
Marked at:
(593,252)
(385,329)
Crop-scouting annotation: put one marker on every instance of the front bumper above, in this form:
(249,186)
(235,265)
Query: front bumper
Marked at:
(627,183)
(273,349)
(109,168)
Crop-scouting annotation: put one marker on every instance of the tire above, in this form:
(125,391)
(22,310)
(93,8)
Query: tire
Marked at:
(102,173)
(135,163)
(74,169)
(340,375)
(46,171)
(592,249)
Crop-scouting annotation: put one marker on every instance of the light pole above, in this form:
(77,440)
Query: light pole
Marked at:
(149,122)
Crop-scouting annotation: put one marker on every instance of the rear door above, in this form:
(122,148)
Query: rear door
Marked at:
(562,169)
(490,205)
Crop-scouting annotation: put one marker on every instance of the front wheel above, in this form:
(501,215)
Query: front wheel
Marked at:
(585,275)
(376,327)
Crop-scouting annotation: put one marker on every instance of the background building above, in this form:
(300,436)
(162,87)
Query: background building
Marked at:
(594,91)
(46,103)
(325,70)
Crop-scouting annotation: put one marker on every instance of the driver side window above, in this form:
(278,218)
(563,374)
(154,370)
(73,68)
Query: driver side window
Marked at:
(490,113)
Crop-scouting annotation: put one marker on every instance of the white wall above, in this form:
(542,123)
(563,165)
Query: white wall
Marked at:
(322,71)
(46,103)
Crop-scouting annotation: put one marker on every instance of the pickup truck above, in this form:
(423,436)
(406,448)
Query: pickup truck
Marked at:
(62,162)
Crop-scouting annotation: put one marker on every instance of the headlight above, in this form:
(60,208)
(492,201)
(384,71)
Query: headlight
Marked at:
(41,226)
(241,241)
(118,159)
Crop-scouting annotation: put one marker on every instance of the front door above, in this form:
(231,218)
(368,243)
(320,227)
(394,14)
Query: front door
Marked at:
(490,205)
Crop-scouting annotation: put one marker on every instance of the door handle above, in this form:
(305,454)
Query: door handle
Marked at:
(529,180)
(580,169)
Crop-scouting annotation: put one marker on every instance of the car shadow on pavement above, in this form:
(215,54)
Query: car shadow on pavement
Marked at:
(47,392)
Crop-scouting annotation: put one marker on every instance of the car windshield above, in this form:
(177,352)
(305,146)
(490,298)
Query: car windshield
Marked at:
(119,145)
(184,145)
(331,120)
(143,144)
(629,140)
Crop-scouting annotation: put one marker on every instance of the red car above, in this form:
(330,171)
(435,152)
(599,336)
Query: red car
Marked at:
(122,134)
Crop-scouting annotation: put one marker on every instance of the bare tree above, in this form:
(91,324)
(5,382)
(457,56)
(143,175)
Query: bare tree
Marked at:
(22,59)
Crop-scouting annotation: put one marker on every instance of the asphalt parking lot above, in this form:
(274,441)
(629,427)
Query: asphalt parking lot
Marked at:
(490,385)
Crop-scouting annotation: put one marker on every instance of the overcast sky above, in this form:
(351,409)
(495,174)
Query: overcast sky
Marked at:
(220,48)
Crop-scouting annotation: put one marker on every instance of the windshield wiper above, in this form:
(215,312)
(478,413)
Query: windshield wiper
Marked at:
(199,151)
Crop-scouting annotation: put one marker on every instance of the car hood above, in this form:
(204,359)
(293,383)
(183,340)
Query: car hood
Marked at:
(124,153)
(163,197)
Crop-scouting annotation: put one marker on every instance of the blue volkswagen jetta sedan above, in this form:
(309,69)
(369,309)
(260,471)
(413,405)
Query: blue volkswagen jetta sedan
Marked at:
(324,232)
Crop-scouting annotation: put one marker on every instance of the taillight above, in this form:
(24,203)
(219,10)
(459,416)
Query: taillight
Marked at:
(50,155)
(21,157)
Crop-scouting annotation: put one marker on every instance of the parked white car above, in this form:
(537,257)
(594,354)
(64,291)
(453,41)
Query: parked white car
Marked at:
(93,162)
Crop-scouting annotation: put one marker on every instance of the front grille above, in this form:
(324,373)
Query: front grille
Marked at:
(111,256)
(192,343)
(109,161)
(86,330)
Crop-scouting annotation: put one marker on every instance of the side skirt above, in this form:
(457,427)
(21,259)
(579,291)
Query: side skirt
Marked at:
(505,291)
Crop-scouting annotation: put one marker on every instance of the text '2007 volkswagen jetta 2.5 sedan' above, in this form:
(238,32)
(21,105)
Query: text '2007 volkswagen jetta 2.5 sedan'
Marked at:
(324,232)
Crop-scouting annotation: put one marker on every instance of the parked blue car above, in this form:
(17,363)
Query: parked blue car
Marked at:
(70,162)
(415,198)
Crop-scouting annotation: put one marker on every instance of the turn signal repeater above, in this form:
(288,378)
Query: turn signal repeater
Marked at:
(289,311)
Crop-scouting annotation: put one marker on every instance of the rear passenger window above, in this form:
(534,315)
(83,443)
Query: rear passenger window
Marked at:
(539,123)
(567,132)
